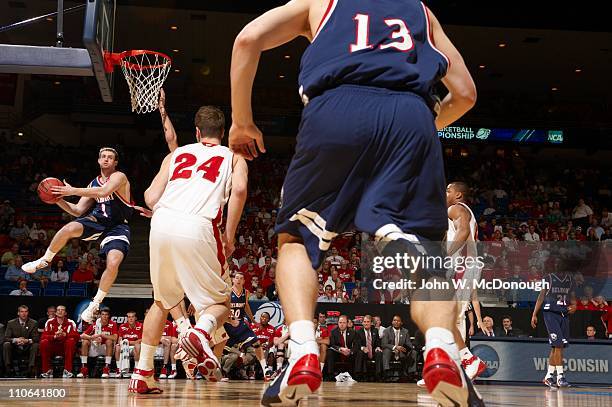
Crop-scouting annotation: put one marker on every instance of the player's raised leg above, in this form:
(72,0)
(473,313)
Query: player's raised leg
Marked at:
(114,257)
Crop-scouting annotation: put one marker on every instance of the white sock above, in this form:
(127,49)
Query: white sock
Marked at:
(108,360)
(182,325)
(302,331)
(465,353)
(99,296)
(551,370)
(263,365)
(559,370)
(49,255)
(173,366)
(207,323)
(322,364)
(147,352)
(84,360)
(441,338)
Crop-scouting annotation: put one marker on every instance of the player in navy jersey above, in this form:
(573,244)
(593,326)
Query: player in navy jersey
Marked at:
(558,302)
(103,213)
(367,157)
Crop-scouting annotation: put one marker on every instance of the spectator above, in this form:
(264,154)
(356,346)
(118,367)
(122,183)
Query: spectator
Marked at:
(346,273)
(606,218)
(98,340)
(43,321)
(269,284)
(590,333)
(19,231)
(369,348)
(36,233)
(507,329)
(592,235)
(607,234)
(59,339)
(263,259)
(6,213)
(596,229)
(532,235)
(23,289)
(10,255)
(258,295)
(341,348)
(334,258)
(322,337)
(488,327)
(396,345)
(42,275)
(378,325)
(333,277)
(341,295)
(581,214)
(60,275)
(356,296)
(14,272)
(73,250)
(83,274)
(130,338)
(21,337)
(328,296)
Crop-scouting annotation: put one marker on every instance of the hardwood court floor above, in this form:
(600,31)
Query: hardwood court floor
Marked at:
(183,393)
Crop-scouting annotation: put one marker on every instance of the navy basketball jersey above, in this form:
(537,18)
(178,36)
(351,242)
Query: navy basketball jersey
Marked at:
(378,43)
(113,209)
(558,295)
(238,303)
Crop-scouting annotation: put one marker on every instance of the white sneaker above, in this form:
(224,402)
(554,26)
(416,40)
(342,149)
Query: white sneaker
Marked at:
(32,266)
(172,374)
(47,375)
(67,374)
(421,383)
(88,314)
(196,344)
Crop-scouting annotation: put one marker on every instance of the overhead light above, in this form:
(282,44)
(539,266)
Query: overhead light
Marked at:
(554,89)
(56,82)
(177,70)
(482,66)
(287,56)
(20,134)
(173,27)
(502,45)
(281,76)
(175,50)
(49,18)
(578,70)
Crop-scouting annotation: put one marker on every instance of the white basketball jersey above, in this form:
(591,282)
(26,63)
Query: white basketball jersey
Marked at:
(452,232)
(199,180)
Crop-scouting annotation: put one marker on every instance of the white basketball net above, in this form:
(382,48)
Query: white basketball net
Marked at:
(145,74)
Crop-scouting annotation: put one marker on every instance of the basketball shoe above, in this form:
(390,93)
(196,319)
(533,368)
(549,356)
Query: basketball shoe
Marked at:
(32,266)
(562,381)
(473,367)
(189,363)
(83,373)
(144,382)
(299,378)
(447,382)
(196,344)
(550,382)
(164,373)
(88,314)
(105,372)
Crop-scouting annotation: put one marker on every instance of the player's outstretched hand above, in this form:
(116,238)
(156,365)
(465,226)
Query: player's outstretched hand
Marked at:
(245,140)
(146,212)
(534,321)
(63,190)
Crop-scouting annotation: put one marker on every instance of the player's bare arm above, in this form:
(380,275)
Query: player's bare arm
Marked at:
(240,177)
(158,185)
(461,219)
(476,305)
(536,309)
(461,95)
(78,209)
(115,181)
(169,132)
(272,29)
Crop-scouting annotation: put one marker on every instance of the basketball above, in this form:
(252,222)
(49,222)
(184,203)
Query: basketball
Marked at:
(44,190)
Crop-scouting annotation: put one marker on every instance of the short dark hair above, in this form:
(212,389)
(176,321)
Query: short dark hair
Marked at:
(106,309)
(131,312)
(461,187)
(508,317)
(262,314)
(211,121)
(50,307)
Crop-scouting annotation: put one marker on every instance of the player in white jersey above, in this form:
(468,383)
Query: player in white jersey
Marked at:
(187,249)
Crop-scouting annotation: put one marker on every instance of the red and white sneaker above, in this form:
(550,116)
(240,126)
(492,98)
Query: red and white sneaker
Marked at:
(196,344)
(105,372)
(298,379)
(83,373)
(473,367)
(163,374)
(172,374)
(144,382)
(189,363)
(447,382)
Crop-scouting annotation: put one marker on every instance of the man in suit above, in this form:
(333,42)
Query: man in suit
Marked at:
(340,347)
(507,329)
(487,330)
(21,337)
(396,345)
(367,348)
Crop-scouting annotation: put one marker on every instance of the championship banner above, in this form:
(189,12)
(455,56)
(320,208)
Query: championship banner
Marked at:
(526,360)
(497,134)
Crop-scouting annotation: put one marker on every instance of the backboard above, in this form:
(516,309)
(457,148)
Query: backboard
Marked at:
(98,38)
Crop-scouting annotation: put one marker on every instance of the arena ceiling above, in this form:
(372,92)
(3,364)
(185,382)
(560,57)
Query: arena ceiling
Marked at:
(548,52)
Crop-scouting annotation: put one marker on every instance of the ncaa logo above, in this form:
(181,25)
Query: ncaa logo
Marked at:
(276,313)
(483,134)
(489,356)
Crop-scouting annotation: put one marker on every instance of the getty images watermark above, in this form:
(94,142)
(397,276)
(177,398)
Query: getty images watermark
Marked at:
(467,268)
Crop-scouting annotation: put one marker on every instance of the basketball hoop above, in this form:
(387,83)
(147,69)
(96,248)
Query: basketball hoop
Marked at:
(145,73)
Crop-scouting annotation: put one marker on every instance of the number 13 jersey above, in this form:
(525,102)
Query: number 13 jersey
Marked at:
(199,181)
(378,43)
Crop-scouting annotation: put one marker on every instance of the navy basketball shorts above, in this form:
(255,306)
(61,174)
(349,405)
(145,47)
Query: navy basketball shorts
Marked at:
(366,159)
(113,237)
(92,229)
(557,326)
